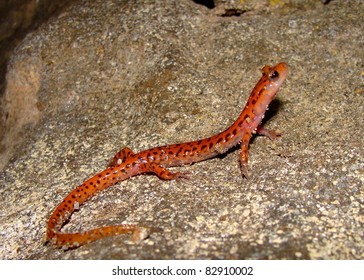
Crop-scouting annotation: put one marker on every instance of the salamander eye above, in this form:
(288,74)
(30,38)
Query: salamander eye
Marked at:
(274,75)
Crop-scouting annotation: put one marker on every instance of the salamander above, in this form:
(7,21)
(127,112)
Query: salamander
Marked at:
(126,163)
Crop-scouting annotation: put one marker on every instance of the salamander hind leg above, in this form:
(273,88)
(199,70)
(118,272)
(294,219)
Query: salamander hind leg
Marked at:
(165,174)
(121,156)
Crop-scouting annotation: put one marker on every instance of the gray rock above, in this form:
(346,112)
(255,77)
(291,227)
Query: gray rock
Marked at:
(105,75)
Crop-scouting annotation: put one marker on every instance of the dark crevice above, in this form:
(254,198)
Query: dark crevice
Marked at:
(207,3)
(233,12)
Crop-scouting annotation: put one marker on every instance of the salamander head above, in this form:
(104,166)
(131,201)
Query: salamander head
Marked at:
(267,87)
(264,92)
(274,77)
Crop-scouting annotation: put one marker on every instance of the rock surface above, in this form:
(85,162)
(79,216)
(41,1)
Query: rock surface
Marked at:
(108,74)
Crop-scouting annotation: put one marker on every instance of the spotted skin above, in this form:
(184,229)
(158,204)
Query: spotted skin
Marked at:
(156,160)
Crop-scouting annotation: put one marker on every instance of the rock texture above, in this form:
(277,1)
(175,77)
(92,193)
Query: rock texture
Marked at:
(103,75)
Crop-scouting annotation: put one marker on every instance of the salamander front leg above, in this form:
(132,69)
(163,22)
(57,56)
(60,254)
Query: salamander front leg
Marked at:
(121,156)
(244,159)
(269,133)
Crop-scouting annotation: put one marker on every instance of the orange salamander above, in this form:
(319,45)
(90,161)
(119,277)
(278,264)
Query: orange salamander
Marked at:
(126,163)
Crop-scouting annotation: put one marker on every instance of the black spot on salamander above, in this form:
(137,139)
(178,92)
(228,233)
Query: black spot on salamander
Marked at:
(234,132)
(240,124)
(227,137)
(211,145)
(203,147)
(261,91)
(155,152)
(219,140)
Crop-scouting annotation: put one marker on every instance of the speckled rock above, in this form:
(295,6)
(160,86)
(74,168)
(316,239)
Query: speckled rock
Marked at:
(108,74)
